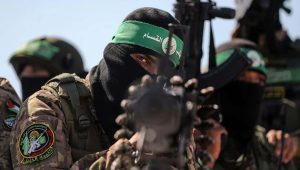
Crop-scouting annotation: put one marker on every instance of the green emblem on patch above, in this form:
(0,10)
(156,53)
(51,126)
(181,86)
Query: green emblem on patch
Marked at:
(35,143)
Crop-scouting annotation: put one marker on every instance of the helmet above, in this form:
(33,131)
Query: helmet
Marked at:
(54,54)
(225,51)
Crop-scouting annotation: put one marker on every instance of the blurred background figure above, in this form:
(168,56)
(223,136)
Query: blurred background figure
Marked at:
(246,146)
(259,21)
(43,58)
(9,108)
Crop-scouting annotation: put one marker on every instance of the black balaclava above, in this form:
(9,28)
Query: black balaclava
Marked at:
(117,70)
(240,105)
(32,84)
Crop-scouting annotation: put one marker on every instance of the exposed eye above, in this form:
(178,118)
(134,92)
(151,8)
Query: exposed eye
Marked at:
(144,59)
(148,62)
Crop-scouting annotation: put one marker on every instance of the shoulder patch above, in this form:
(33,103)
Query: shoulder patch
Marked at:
(12,106)
(35,143)
(12,111)
(9,121)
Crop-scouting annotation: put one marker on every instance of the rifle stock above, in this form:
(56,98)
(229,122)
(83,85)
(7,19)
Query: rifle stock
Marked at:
(225,72)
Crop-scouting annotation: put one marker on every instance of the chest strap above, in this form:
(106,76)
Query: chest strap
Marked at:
(67,82)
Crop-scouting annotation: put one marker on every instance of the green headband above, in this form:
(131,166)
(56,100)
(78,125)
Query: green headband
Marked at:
(283,75)
(256,57)
(149,36)
(38,48)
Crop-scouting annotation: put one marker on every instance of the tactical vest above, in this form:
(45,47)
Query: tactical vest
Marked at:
(83,129)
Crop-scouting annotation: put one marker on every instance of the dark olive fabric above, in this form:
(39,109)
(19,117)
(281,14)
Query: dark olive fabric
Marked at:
(86,140)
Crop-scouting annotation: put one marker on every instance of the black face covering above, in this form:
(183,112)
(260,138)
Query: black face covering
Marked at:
(32,84)
(117,70)
(240,105)
(110,81)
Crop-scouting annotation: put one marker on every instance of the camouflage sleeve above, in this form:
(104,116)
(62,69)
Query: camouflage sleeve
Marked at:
(39,139)
(9,108)
(89,161)
(99,164)
(104,159)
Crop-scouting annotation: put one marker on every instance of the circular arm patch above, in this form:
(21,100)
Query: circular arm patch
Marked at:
(35,143)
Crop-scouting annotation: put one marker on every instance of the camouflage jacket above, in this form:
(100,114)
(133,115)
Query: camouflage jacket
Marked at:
(46,136)
(107,159)
(9,108)
(259,156)
(104,160)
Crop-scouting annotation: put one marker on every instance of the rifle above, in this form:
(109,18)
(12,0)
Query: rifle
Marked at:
(193,14)
(262,18)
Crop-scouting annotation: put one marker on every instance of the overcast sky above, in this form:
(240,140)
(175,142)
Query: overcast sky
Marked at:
(89,25)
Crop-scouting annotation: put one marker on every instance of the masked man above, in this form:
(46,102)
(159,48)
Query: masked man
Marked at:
(75,117)
(259,21)
(239,100)
(43,58)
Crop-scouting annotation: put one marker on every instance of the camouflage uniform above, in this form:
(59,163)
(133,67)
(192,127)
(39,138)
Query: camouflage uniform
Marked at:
(95,160)
(45,135)
(104,160)
(9,108)
(101,160)
(60,124)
